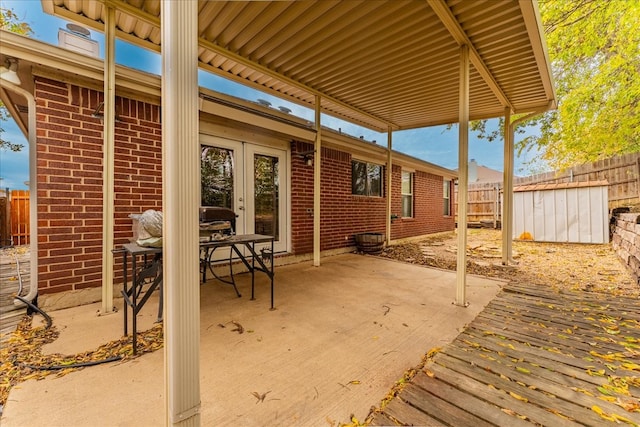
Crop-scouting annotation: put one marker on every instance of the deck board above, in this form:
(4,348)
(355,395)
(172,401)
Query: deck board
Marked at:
(438,403)
(461,399)
(400,413)
(527,332)
(533,356)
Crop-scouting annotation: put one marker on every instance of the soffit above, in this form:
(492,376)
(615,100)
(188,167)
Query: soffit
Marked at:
(376,63)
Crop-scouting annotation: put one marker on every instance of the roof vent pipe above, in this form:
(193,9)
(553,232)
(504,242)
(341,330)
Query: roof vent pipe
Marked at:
(473,171)
(78,39)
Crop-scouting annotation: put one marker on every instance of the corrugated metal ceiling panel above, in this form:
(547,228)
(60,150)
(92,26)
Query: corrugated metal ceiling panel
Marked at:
(377,63)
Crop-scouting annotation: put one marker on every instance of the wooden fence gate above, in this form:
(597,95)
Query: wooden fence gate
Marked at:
(14,218)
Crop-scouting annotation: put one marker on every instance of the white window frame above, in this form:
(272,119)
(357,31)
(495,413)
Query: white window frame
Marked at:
(446,197)
(405,195)
(367,190)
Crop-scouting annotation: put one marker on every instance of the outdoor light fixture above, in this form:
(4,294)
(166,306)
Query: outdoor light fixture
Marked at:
(307,156)
(10,72)
(98,114)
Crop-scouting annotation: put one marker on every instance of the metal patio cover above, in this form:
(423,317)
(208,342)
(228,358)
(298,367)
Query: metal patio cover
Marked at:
(381,64)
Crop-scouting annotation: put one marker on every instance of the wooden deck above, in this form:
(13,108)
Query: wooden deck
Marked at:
(12,261)
(532,357)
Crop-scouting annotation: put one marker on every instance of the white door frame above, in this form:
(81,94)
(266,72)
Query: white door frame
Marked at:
(238,178)
(243,191)
(250,150)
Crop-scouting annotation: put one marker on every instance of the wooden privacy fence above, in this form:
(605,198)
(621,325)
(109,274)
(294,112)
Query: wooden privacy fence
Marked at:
(14,218)
(621,172)
(484,204)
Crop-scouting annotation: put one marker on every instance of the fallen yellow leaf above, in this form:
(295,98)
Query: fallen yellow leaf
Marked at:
(517,396)
(602,414)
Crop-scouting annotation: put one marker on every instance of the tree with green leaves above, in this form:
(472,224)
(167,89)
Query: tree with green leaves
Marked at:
(594,47)
(9,21)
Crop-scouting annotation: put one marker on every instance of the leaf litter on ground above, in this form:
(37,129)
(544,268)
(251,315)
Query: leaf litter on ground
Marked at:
(21,359)
(560,266)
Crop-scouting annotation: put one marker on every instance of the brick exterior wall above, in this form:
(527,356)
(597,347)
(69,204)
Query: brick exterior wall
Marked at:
(69,174)
(428,206)
(345,214)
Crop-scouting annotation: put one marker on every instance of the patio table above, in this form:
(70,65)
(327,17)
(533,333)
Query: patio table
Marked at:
(150,270)
(262,261)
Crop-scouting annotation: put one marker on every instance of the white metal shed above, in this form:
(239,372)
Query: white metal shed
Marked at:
(571,212)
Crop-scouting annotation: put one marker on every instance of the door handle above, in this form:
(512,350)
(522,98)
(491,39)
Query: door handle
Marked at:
(240,208)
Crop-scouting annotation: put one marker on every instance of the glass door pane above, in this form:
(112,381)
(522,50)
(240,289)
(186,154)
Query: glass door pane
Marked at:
(221,186)
(266,190)
(216,177)
(266,195)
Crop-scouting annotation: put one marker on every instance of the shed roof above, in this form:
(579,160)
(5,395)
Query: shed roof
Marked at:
(560,186)
(377,63)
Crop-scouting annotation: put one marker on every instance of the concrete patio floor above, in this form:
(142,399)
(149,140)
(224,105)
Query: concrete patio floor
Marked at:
(341,336)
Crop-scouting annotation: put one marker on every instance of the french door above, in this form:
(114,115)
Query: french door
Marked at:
(249,179)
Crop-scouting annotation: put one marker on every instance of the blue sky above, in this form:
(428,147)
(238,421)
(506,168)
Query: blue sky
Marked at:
(436,144)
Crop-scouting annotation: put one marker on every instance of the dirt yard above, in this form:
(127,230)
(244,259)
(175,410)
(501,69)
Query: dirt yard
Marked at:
(587,267)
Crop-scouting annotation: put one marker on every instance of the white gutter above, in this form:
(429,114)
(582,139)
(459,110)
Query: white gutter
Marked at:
(72,64)
(533,23)
(33,192)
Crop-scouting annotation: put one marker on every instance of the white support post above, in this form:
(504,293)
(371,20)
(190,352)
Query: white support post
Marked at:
(463,177)
(181,199)
(389,181)
(316,185)
(507,205)
(108,161)
(507,190)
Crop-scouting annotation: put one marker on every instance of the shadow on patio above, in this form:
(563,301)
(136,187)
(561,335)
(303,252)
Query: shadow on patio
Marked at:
(341,336)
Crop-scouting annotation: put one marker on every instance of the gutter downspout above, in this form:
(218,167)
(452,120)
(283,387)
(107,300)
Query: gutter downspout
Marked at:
(33,192)
(507,213)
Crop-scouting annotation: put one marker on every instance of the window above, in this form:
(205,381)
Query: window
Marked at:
(366,179)
(407,194)
(446,191)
